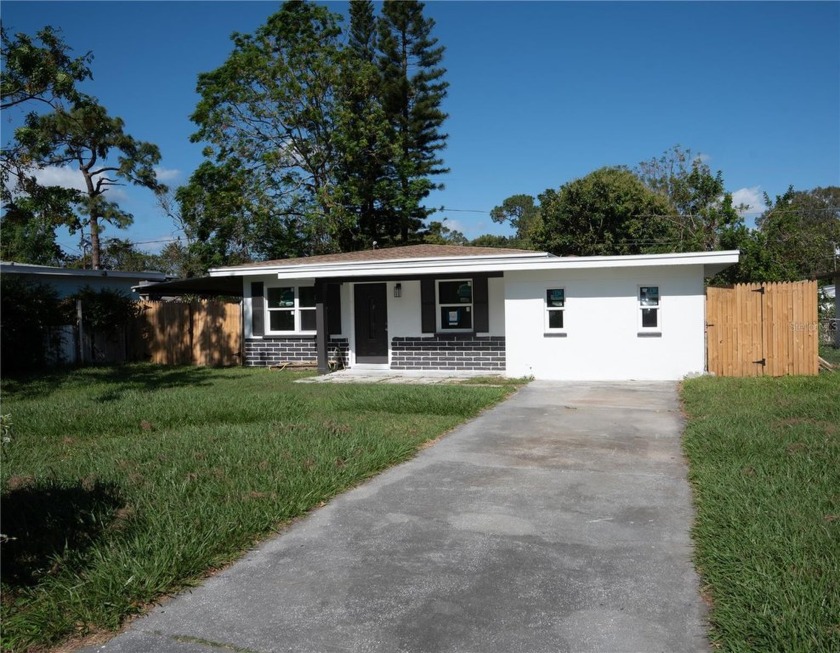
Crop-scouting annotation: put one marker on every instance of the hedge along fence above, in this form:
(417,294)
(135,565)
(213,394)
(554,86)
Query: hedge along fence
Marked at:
(194,333)
(39,329)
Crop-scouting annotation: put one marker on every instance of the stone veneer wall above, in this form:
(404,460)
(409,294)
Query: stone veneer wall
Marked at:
(275,350)
(449,352)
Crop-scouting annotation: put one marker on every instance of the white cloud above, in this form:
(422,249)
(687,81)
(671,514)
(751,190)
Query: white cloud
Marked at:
(752,198)
(167,174)
(67,177)
(60,176)
(453,225)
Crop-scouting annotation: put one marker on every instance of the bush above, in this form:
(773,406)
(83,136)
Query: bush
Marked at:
(28,313)
(104,310)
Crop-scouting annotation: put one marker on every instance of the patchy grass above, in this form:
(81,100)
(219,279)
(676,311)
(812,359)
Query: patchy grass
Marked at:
(764,460)
(121,485)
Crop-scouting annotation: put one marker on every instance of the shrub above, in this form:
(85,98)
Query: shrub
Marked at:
(28,313)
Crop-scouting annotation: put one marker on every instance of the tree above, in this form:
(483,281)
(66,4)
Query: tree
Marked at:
(364,147)
(40,70)
(492,240)
(29,225)
(336,142)
(413,91)
(704,212)
(269,111)
(38,74)
(521,212)
(437,233)
(86,136)
(801,231)
(607,212)
(227,221)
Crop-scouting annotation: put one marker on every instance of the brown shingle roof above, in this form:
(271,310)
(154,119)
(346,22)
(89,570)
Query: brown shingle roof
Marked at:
(393,254)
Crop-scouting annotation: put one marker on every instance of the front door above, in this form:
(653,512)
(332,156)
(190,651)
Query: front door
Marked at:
(371,322)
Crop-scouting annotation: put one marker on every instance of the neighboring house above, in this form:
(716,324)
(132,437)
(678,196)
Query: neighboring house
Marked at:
(68,281)
(69,343)
(503,311)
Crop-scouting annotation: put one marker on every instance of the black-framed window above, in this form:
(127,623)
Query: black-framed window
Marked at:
(455,304)
(555,309)
(649,318)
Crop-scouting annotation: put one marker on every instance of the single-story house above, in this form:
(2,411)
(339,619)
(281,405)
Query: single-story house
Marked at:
(501,311)
(68,281)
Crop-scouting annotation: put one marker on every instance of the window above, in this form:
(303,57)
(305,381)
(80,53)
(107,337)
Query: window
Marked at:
(455,305)
(291,309)
(649,306)
(555,307)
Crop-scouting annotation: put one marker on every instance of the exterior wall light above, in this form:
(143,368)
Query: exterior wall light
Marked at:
(397,290)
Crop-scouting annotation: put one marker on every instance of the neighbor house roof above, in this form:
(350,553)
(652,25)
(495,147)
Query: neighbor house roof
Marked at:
(10,267)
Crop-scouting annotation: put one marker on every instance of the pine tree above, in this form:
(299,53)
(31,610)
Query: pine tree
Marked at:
(412,93)
(361,135)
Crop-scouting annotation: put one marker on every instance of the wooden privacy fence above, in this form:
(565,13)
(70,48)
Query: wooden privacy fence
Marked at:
(769,329)
(196,333)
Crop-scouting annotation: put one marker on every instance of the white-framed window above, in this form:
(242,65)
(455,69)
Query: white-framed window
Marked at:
(555,310)
(455,304)
(649,317)
(290,309)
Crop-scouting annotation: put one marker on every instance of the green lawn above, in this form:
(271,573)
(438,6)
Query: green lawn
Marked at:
(764,459)
(124,484)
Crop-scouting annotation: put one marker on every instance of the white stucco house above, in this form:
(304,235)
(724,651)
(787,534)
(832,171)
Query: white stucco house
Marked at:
(503,311)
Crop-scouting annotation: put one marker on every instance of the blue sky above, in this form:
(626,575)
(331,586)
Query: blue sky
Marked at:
(541,93)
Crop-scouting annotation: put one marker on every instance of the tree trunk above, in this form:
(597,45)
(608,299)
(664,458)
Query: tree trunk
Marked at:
(95,247)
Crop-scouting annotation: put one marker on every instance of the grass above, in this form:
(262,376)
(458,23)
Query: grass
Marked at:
(830,353)
(764,458)
(121,485)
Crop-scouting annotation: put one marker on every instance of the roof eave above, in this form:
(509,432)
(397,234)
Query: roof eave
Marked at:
(248,270)
(507,263)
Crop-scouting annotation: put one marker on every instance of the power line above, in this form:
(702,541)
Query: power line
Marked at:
(444,208)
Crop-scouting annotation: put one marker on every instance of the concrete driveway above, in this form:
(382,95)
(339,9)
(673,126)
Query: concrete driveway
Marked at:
(558,521)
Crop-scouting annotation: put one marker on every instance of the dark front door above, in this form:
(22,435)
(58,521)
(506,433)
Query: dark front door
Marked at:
(371,322)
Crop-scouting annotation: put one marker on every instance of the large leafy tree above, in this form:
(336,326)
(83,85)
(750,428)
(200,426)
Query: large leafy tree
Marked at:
(39,75)
(704,211)
(607,212)
(270,108)
(87,138)
(334,139)
(413,92)
(228,221)
(40,70)
(801,232)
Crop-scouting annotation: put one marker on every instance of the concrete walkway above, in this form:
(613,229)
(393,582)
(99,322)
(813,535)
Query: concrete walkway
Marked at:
(558,521)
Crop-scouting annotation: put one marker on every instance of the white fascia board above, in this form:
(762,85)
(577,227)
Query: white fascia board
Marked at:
(467,265)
